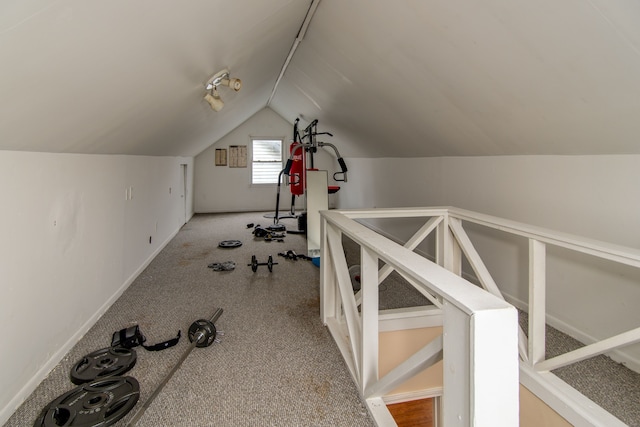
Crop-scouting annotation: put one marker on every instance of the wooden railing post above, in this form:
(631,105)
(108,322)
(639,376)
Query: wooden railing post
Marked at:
(456,368)
(328,287)
(369,318)
(494,381)
(481,385)
(448,253)
(537,301)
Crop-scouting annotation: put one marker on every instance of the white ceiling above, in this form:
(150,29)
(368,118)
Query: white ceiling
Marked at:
(404,79)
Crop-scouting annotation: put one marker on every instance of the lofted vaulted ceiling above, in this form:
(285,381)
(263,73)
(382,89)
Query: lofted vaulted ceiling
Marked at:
(404,79)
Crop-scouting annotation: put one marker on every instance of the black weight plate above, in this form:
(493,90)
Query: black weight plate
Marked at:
(97,404)
(277,227)
(260,232)
(254,263)
(230,244)
(106,362)
(207,328)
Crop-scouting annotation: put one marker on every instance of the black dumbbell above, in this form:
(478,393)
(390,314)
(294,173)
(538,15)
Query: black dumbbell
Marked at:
(255,264)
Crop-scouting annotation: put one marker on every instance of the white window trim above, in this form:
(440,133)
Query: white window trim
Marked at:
(282,151)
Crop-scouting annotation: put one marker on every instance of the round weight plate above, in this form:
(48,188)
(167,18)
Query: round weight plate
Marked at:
(230,244)
(97,404)
(207,328)
(277,227)
(260,232)
(106,362)
(280,215)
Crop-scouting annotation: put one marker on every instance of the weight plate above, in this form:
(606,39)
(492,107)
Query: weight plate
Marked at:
(106,362)
(280,215)
(97,404)
(207,328)
(222,266)
(254,263)
(260,232)
(277,227)
(230,244)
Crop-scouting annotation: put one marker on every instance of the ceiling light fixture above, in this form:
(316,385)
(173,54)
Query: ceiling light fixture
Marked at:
(214,100)
(221,78)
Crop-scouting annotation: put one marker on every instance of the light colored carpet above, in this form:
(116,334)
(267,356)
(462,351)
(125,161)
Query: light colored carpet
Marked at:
(277,365)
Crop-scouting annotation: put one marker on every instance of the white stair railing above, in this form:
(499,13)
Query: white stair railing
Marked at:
(479,342)
(353,320)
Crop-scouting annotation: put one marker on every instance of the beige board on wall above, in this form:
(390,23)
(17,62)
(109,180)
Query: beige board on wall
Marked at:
(221,157)
(237,156)
(396,347)
(535,413)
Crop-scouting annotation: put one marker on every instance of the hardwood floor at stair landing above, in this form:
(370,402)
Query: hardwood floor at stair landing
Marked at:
(415,413)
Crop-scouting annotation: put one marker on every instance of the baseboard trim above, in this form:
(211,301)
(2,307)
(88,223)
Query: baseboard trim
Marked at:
(56,357)
(616,355)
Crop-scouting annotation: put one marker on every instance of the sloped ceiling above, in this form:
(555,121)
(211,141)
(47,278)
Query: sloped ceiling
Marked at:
(465,78)
(128,77)
(403,79)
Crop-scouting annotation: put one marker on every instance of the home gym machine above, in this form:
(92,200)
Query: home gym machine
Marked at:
(307,181)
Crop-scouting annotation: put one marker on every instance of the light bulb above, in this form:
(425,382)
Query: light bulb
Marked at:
(235,84)
(215,102)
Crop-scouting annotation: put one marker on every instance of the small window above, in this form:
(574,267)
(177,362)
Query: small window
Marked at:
(267,161)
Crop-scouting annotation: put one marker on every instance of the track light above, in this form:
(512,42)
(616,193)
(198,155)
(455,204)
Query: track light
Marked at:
(214,100)
(234,84)
(221,78)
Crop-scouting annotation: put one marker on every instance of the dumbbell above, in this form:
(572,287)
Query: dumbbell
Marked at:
(255,264)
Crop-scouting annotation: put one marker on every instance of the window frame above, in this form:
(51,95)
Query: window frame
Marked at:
(255,139)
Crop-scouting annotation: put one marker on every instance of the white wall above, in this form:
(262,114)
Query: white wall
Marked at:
(591,196)
(75,233)
(225,189)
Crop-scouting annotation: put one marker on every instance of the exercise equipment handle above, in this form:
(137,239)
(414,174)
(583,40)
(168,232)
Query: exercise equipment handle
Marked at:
(287,167)
(311,126)
(343,166)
